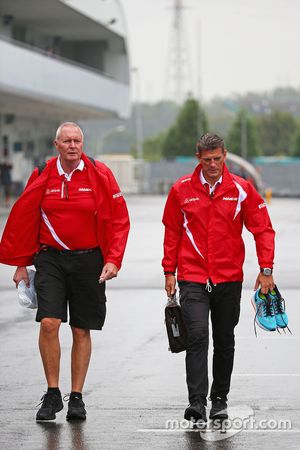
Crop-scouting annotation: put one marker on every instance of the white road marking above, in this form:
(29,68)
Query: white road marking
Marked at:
(193,430)
(265,375)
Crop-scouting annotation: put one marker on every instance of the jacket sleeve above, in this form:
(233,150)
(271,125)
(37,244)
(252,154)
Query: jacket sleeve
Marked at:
(173,222)
(20,236)
(257,221)
(120,223)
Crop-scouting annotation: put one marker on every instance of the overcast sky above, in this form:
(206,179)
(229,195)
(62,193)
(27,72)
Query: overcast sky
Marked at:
(242,46)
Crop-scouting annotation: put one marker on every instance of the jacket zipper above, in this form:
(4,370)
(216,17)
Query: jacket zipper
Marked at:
(208,286)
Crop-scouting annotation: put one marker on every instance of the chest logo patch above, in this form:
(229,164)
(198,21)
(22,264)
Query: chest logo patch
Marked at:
(189,200)
(51,191)
(231,199)
(84,190)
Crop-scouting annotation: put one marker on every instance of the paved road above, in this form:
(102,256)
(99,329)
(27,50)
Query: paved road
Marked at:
(135,386)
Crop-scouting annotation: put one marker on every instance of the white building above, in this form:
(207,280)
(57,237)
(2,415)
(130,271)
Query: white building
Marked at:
(59,60)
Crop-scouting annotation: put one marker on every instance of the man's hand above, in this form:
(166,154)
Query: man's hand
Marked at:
(109,271)
(21,274)
(170,284)
(266,283)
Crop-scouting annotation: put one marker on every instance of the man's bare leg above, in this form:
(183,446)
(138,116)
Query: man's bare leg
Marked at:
(50,353)
(81,354)
(50,349)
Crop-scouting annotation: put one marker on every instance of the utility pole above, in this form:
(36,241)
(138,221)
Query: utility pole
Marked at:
(200,124)
(178,74)
(139,129)
(139,132)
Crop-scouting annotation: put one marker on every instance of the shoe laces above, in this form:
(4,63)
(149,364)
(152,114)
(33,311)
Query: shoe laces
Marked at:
(71,398)
(279,306)
(66,397)
(47,400)
(264,309)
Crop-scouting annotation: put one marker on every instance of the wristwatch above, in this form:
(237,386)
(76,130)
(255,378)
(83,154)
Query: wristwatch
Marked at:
(266,271)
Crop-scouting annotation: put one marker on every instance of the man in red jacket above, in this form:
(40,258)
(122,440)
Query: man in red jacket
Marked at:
(72,223)
(204,216)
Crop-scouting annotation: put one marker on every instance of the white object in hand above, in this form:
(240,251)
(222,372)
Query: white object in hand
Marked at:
(27,295)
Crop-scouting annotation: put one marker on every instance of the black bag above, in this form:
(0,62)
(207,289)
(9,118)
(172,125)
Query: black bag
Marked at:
(176,329)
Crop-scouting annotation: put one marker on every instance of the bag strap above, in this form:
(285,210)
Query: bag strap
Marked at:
(41,167)
(92,160)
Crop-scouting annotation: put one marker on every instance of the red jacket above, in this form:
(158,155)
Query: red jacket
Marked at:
(20,240)
(203,235)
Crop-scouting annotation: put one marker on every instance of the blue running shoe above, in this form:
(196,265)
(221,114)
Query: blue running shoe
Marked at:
(279,308)
(264,312)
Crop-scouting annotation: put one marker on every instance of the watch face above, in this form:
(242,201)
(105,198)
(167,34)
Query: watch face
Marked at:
(267,271)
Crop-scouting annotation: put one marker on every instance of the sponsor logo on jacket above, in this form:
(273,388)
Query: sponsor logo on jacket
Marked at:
(119,194)
(189,200)
(262,205)
(51,191)
(231,199)
(84,190)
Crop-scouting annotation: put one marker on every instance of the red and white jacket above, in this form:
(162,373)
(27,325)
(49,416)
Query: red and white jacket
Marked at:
(20,240)
(203,234)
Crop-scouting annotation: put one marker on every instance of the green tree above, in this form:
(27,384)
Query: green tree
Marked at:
(296,146)
(242,136)
(181,138)
(276,133)
(153,147)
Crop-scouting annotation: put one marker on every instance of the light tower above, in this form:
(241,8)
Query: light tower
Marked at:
(178,81)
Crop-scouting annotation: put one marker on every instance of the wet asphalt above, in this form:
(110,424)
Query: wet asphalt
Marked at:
(135,391)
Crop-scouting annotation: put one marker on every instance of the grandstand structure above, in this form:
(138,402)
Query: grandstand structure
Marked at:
(60,60)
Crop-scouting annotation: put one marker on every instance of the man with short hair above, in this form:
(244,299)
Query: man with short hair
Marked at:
(72,223)
(204,216)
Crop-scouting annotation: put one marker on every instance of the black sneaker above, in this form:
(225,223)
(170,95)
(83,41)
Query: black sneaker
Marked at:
(76,407)
(51,404)
(195,412)
(218,409)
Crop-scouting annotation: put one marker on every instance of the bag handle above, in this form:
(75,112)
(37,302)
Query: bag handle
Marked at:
(172,300)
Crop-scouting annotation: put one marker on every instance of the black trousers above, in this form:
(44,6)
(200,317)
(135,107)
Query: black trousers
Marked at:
(223,302)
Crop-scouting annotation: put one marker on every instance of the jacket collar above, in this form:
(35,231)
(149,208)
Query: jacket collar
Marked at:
(226,183)
(68,175)
(204,181)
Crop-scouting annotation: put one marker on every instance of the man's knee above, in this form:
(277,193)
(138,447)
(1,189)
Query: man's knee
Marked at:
(224,341)
(50,325)
(80,333)
(198,335)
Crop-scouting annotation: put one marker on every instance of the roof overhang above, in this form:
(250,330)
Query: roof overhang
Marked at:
(47,109)
(54,17)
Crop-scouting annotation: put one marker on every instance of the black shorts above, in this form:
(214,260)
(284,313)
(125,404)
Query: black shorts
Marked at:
(64,279)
